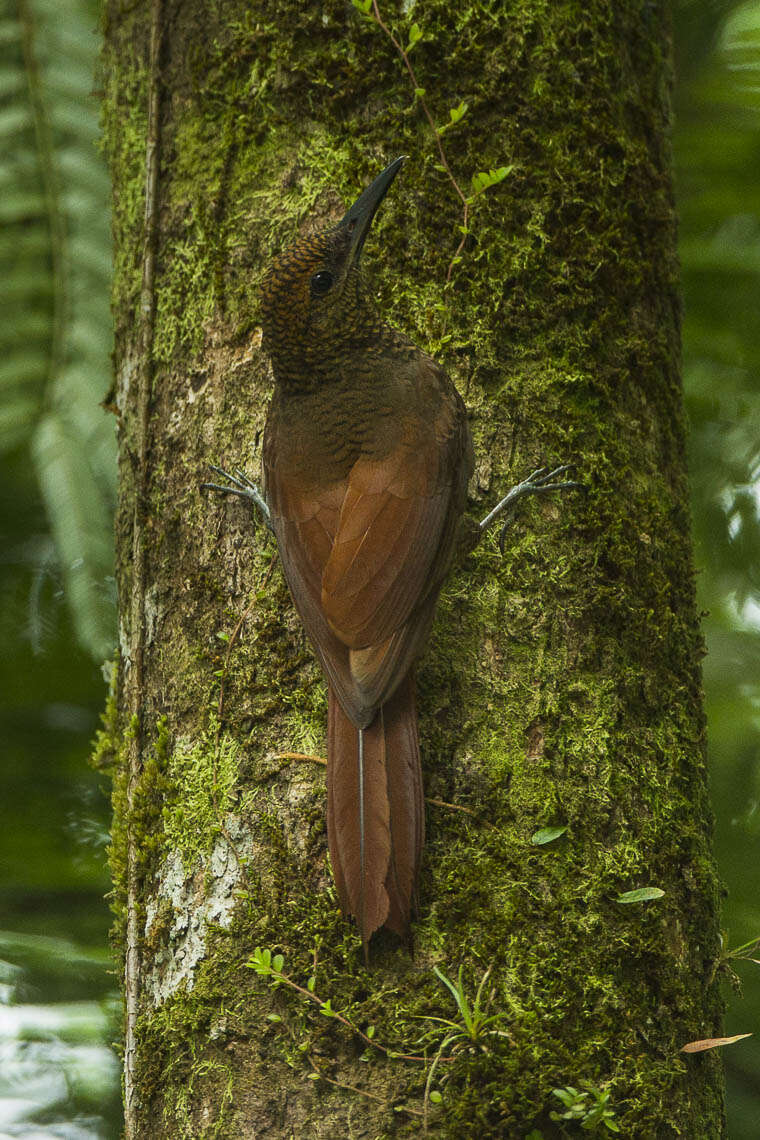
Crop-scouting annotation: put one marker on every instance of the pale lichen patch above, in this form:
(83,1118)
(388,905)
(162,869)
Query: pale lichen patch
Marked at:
(195,902)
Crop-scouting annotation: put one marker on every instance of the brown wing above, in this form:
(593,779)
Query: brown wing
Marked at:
(389,531)
(365,556)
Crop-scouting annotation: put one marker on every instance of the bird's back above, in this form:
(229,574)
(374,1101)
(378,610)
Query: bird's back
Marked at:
(366,479)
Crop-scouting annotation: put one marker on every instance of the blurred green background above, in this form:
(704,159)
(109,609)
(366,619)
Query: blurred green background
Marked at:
(58,1003)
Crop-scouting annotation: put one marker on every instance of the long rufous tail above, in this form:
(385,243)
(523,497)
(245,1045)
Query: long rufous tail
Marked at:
(376,812)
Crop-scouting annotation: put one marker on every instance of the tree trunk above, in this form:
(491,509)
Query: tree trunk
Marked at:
(561,688)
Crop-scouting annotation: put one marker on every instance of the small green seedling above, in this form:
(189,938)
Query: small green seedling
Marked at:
(482,180)
(415,35)
(475,1024)
(588,1107)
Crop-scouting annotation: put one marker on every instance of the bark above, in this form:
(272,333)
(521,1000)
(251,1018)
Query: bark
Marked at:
(561,687)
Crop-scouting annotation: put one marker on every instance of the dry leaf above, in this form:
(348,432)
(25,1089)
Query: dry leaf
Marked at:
(712,1043)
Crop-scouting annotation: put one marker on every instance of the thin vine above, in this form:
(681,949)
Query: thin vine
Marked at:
(482,180)
(271,966)
(472,1028)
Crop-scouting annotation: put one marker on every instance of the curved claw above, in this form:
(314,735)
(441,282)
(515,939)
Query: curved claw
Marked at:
(240,484)
(540,481)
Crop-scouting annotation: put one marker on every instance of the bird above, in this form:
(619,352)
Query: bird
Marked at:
(366,458)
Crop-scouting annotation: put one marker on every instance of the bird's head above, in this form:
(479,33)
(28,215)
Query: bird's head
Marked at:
(311,294)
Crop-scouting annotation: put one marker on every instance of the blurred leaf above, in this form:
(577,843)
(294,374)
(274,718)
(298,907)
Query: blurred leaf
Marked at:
(717,151)
(740,44)
(55,337)
(80,521)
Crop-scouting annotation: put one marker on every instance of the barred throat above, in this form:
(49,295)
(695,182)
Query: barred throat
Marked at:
(346,357)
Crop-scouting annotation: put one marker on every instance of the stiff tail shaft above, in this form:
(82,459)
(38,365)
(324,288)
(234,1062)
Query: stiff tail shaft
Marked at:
(375,812)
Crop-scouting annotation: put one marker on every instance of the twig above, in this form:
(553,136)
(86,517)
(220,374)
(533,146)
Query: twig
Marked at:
(308,756)
(342,1084)
(446,804)
(285,979)
(299,756)
(429,1082)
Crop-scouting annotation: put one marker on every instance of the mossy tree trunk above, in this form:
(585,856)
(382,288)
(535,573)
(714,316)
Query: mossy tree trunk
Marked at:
(562,684)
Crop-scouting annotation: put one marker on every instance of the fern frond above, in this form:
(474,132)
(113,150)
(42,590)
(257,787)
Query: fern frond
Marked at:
(81,527)
(740,43)
(55,337)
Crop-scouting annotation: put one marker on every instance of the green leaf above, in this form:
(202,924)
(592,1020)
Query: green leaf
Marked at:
(643,894)
(261,961)
(448,983)
(17,416)
(79,514)
(362,6)
(569,1096)
(420,92)
(311,984)
(457,113)
(415,35)
(326,1009)
(273,1017)
(277,963)
(15,119)
(436,1097)
(487,178)
(26,366)
(460,997)
(370,1031)
(56,292)
(547,835)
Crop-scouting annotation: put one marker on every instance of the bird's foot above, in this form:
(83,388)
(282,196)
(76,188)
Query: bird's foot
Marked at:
(539,482)
(240,484)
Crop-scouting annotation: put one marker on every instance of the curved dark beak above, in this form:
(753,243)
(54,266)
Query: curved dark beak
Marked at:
(359,218)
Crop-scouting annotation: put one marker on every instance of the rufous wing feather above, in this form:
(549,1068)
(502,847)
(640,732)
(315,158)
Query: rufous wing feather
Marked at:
(407,804)
(358,817)
(375,836)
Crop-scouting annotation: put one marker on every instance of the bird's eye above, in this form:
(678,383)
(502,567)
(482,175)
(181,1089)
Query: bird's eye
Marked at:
(321,283)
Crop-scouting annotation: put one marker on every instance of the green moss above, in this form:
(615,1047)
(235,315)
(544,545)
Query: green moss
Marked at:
(179,1112)
(202,778)
(107,744)
(124,122)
